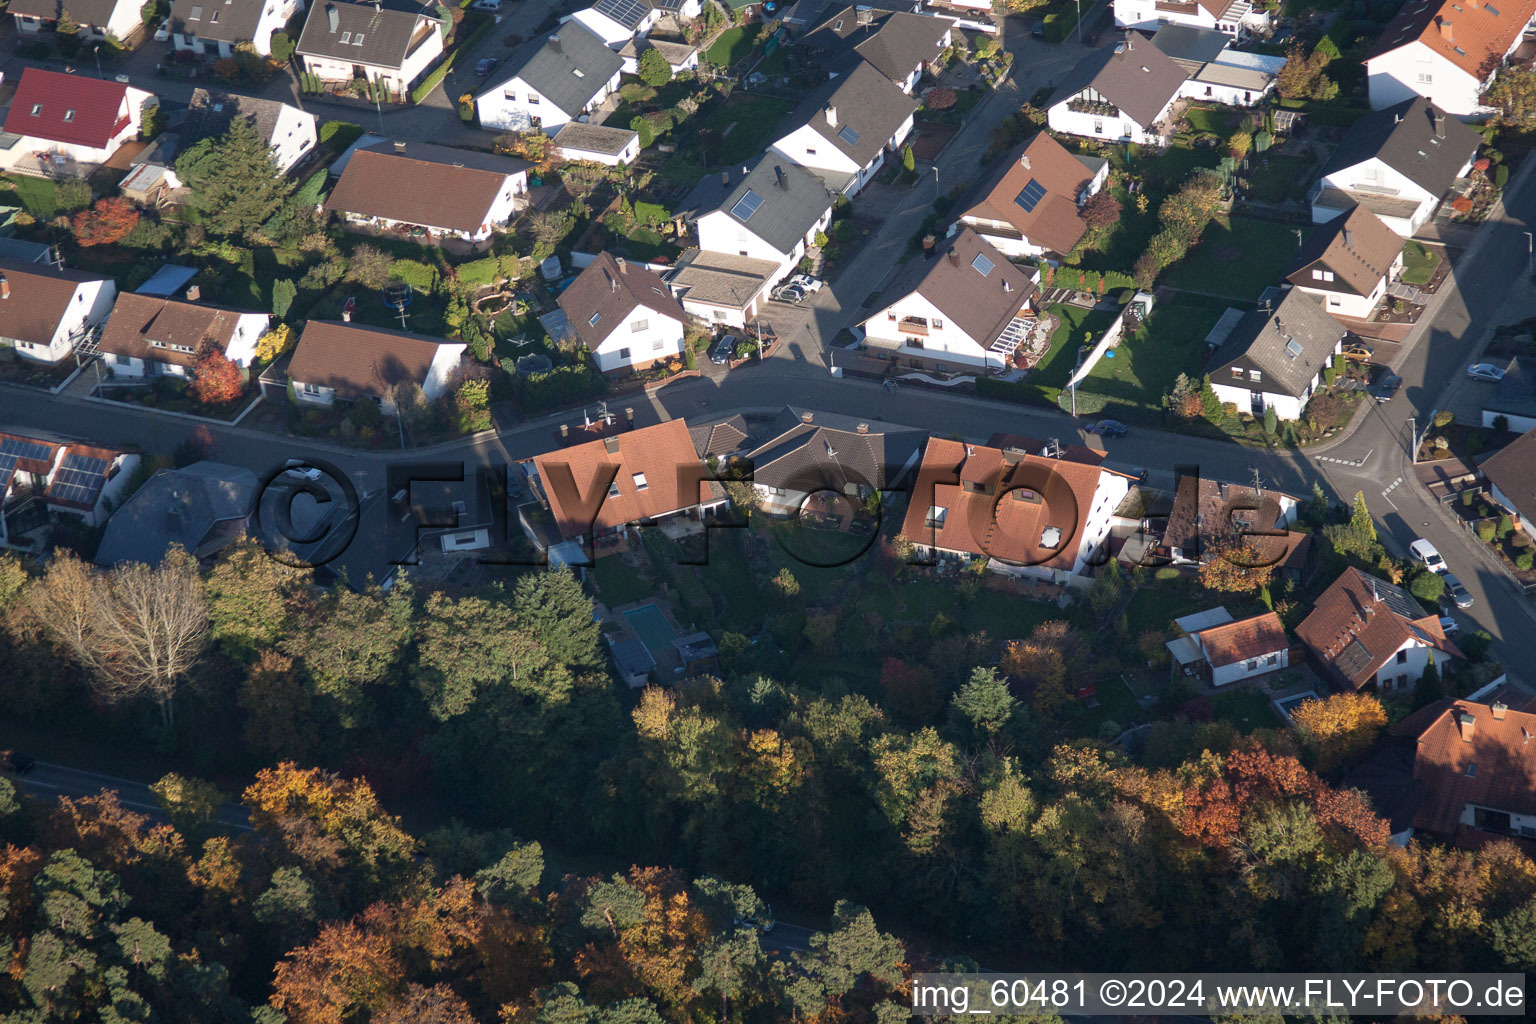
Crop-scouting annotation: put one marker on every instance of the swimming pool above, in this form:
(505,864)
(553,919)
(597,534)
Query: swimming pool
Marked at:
(651,626)
(1288,705)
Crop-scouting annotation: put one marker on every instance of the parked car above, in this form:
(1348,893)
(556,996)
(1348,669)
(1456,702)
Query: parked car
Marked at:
(485,65)
(1359,351)
(1448,625)
(1425,553)
(789,293)
(1456,592)
(1037,30)
(486,5)
(1385,388)
(724,349)
(806,283)
(18,762)
(1110,428)
(1485,371)
(298,467)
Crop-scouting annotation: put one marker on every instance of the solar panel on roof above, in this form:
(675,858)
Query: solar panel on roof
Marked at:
(26,449)
(981,264)
(7,467)
(85,464)
(1030,197)
(747,205)
(76,485)
(848,135)
(625,12)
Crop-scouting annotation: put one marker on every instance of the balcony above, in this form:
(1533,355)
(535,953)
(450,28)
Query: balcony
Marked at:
(913,325)
(1098,108)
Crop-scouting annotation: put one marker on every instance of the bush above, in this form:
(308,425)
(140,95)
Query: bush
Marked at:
(1444,419)
(340,134)
(418,275)
(1521,539)
(1524,560)
(1427,587)
(1505,527)
(282,47)
(1501,423)
(1501,175)
(1485,531)
(1166,574)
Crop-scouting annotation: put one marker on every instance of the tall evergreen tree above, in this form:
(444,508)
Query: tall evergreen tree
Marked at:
(233,179)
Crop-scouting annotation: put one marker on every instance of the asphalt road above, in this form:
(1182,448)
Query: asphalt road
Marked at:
(51,781)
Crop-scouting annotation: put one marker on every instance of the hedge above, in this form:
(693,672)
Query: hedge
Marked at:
(476,273)
(1072,277)
(1013,391)
(421,278)
(560,385)
(435,79)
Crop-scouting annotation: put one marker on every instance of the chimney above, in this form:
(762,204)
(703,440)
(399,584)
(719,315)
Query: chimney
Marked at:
(832,116)
(1007,285)
(332,17)
(1349,239)
(725,179)
(928,243)
(1024,161)
(611,445)
(194,293)
(565,430)
(623,267)
(1439,124)
(399,146)
(1466,723)
(346,315)
(954,258)
(613,284)
(629,414)
(554,43)
(778,176)
(863,428)
(806,417)
(1445,30)
(1499,708)
(5,287)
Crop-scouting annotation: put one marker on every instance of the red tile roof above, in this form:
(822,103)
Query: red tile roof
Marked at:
(1233,642)
(72,109)
(1466,755)
(1468,33)
(1360,622)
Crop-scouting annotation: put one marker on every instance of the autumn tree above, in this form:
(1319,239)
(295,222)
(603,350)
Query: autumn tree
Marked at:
(274,343)
(1340,727)
(1100,210)
(191,804)
(1513,93)
(1302,77)
(251,599)
(215,379)
(107,222)
(1238,563)
(369,266)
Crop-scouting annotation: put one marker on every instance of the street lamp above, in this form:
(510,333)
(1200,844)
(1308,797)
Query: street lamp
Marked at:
(1079,22)
(1530,254)
(936,181)
(97,52)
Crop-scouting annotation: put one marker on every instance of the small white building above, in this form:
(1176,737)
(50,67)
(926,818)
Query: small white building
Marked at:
(148,335)
(1447,52)
(960,307)
(1398,163)
(680,57)
(551,80)
(345,361)
(1275,356)
(215,27)
(842,131)
(1221,651)
(1235,18)
(42,478)
(452,193)
(1218,73)
(1122,92)
(393,43)
(616,22)
(289,131)
(769,210)
(69,122)
(595,143)
(45,313)
(96,18)
(624,314)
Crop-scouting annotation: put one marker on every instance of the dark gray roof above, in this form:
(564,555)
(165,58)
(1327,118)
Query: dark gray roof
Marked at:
(1185,42)
(867,108)
(1264,339)
(810,457)
(792,199)
(84,12)
(893,41)
(722,438)
(230,21)
(209,114)
(1132,74)
(386,30)
(1515,395)
(176,506)
(1414,138)
(550,65)
(453,156)
(592,138)
(814,12)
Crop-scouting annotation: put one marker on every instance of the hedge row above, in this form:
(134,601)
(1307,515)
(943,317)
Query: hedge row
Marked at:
(1073,278)
(435,79)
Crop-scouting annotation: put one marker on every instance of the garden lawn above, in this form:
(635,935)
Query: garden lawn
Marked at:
(1055,367)
(733,44)
(38,196)
(1419,263)
(1281,177)
(1237,258)
(619,582)
(1213,119)
(1144,367)
(1246,709)
(743,126)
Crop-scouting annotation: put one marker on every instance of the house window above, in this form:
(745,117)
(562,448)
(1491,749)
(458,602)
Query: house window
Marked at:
(1250,664)
(346,37)
(37,109)
(613,489)
(774,490)
(914,343)
(639,325)
(888,316)
(623,353)
(357,40)
(1425,78)
(1098,127)
(69,115)
(657,344)
(1237,371)
(809,151)
(1402,657)
(1026,495)
(1273,659)
(640,483)
(595,318)
(937,325)
(718,314)
(311,389)
(936,514)
(1255,375)
(156,344)
(1322,275)
(533,99)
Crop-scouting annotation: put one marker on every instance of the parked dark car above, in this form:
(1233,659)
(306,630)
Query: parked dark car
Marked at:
(724,350)
(485,65)
(18,762)
(1385,388)
(1110,428)
(1455,591)
(1037,30)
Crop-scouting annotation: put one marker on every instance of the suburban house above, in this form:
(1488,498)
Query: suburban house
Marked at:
(349,361)
(1364,632)
(720,288)
(45,312)
(899,45)
(42,478)
(1206,512)
(769,211)
(1396,162)
(1028,206)
(204,507)
(1024,514)
(843,129)
(1217,73)
(290,132)
(1348,263)
(722,440)
(550,80)
(1474,767)
(1235,18)
(1218,650)
(810,468)
(147,335)
(452,193)
(1447,51)
(595,143)
(1120,92)
(961,306)
(616,22)
(624,314)
(602,488)
(1514,397)
(680,57)
(393,43)
(1511,476)
(1275,356)
(216,27)
(96,18)
(68,122)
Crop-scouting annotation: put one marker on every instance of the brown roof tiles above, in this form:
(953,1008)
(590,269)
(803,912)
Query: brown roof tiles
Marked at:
(138,321)
(603,295)
(1054,222)
(1469,33)
(1360,622)
(1471,753)
(434,186)
(1238,641)
(357,360)
(1358,248)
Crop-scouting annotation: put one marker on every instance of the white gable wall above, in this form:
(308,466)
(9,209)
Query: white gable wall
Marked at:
(720,232)
(292,136)
(1414,69)
(89,307)
(947,343)
(514,105)
(643,337)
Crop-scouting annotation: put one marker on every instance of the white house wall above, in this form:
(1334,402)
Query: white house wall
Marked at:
(292,136)
(719,232)
(1416,70)
(1518,424)
(947,344)
(626,156)
(1223,675)
(1107,497)
(444,364)
(1395,677)
(1287,407)
(660,338)
(1098,126)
